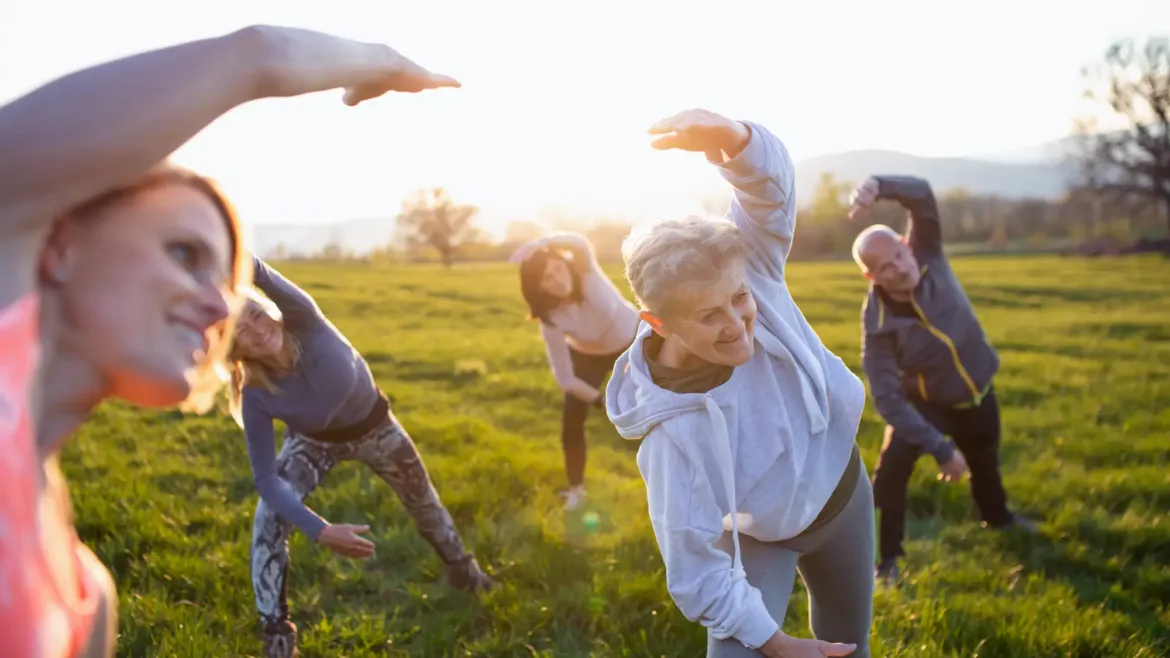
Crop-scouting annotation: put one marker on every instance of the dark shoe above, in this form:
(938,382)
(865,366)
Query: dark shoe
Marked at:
(280,639)
(1016,523)
(886,573)
(466,575)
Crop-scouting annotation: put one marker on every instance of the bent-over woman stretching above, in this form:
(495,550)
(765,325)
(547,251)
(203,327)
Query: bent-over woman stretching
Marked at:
(586,323)
(293,365)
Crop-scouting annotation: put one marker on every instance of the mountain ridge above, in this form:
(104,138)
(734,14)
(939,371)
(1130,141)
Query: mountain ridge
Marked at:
(1039,171)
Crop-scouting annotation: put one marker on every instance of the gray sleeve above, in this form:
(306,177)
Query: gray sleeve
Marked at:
(885,384)
(290,298)
(916,196)
(273,489)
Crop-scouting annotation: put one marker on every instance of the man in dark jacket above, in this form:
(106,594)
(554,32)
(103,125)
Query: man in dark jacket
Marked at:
(928,362)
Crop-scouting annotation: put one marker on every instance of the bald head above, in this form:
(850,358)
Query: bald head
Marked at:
(871,239)
(886,259)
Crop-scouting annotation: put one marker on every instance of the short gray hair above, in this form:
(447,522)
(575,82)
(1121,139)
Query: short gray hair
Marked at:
(675,256)
(864,238)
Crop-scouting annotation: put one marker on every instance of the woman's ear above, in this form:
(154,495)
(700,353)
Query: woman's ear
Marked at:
(54,259)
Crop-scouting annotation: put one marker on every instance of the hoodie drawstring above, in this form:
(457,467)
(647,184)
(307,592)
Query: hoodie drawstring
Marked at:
(723,454)
(814,394)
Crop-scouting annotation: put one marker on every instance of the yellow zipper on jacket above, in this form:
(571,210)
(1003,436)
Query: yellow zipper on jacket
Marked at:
(976,394)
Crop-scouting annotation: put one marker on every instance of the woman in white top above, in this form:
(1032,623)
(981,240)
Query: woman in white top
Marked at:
(586,324)
(748,423)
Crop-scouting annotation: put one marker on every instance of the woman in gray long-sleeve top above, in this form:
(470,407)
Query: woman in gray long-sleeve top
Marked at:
(293,365)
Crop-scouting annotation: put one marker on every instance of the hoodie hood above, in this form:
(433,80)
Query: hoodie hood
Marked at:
(634,403)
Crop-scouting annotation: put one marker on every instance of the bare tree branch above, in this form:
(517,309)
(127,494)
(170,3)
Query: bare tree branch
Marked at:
(430,218)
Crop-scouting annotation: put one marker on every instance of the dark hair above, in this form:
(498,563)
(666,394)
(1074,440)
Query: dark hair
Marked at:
(540,303)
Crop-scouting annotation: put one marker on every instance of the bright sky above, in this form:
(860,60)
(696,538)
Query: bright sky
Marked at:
(557,96)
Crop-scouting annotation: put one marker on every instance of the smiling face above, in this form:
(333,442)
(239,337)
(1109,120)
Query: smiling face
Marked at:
(259,332)
(145,283)
(556,281)
(714,321)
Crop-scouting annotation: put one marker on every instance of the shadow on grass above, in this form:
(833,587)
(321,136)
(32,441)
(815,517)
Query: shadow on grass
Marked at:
(1095,576)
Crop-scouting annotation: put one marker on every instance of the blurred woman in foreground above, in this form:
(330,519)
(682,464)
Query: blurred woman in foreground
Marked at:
(117,279)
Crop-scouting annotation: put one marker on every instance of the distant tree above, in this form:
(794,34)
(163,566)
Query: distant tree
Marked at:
(280,251)
(999,236)
(332,250)
(830,201)
(1132,87)
(430,218)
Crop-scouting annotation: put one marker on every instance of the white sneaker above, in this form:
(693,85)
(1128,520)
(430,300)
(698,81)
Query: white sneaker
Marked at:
(574,497)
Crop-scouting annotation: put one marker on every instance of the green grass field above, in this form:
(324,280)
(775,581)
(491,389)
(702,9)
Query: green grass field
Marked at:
(167,501)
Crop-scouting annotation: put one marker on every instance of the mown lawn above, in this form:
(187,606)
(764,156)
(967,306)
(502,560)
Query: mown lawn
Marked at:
(167,501)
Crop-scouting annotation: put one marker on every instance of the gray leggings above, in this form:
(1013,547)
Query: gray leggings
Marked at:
(836,565)
(303,462)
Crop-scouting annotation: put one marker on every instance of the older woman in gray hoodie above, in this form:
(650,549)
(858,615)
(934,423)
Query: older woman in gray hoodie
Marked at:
(748,422)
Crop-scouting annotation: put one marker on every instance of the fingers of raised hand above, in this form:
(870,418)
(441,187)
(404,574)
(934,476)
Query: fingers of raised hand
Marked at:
(671,141)
(837,649)
(403,76)
(684,121)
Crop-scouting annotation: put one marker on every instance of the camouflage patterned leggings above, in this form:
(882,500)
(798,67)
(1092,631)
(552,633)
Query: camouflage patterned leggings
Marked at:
(303,462)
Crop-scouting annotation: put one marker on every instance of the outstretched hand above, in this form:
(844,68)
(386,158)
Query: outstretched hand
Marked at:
(296,61)
(786,646)
(953,470)
(399,74)
(702,131)
(863,197)
(343,539)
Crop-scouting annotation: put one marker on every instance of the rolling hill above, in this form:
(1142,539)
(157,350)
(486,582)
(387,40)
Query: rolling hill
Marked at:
(1035,171)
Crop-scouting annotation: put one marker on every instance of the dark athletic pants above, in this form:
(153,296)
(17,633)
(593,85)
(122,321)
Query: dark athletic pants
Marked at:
(976,433)
(592,370)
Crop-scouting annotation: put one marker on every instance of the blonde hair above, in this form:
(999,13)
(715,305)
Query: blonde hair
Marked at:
(207,378)
(673,257)
(867,234)
(249,372)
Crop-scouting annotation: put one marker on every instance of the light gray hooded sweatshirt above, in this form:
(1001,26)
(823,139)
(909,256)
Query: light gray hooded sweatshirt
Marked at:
(760,454)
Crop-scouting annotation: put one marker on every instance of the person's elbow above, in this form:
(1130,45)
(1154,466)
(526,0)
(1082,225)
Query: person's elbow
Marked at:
(891,404)
(720,603)
(100,643)
(266,487)
(567,383)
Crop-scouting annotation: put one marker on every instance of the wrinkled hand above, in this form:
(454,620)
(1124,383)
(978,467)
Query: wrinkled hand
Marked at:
(786,646)
(953,470)
(342,538)
(701,131)
(863,197)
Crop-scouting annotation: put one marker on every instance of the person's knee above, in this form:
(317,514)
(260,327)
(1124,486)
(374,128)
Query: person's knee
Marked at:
(981,459)
(891,476)
(573,414)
